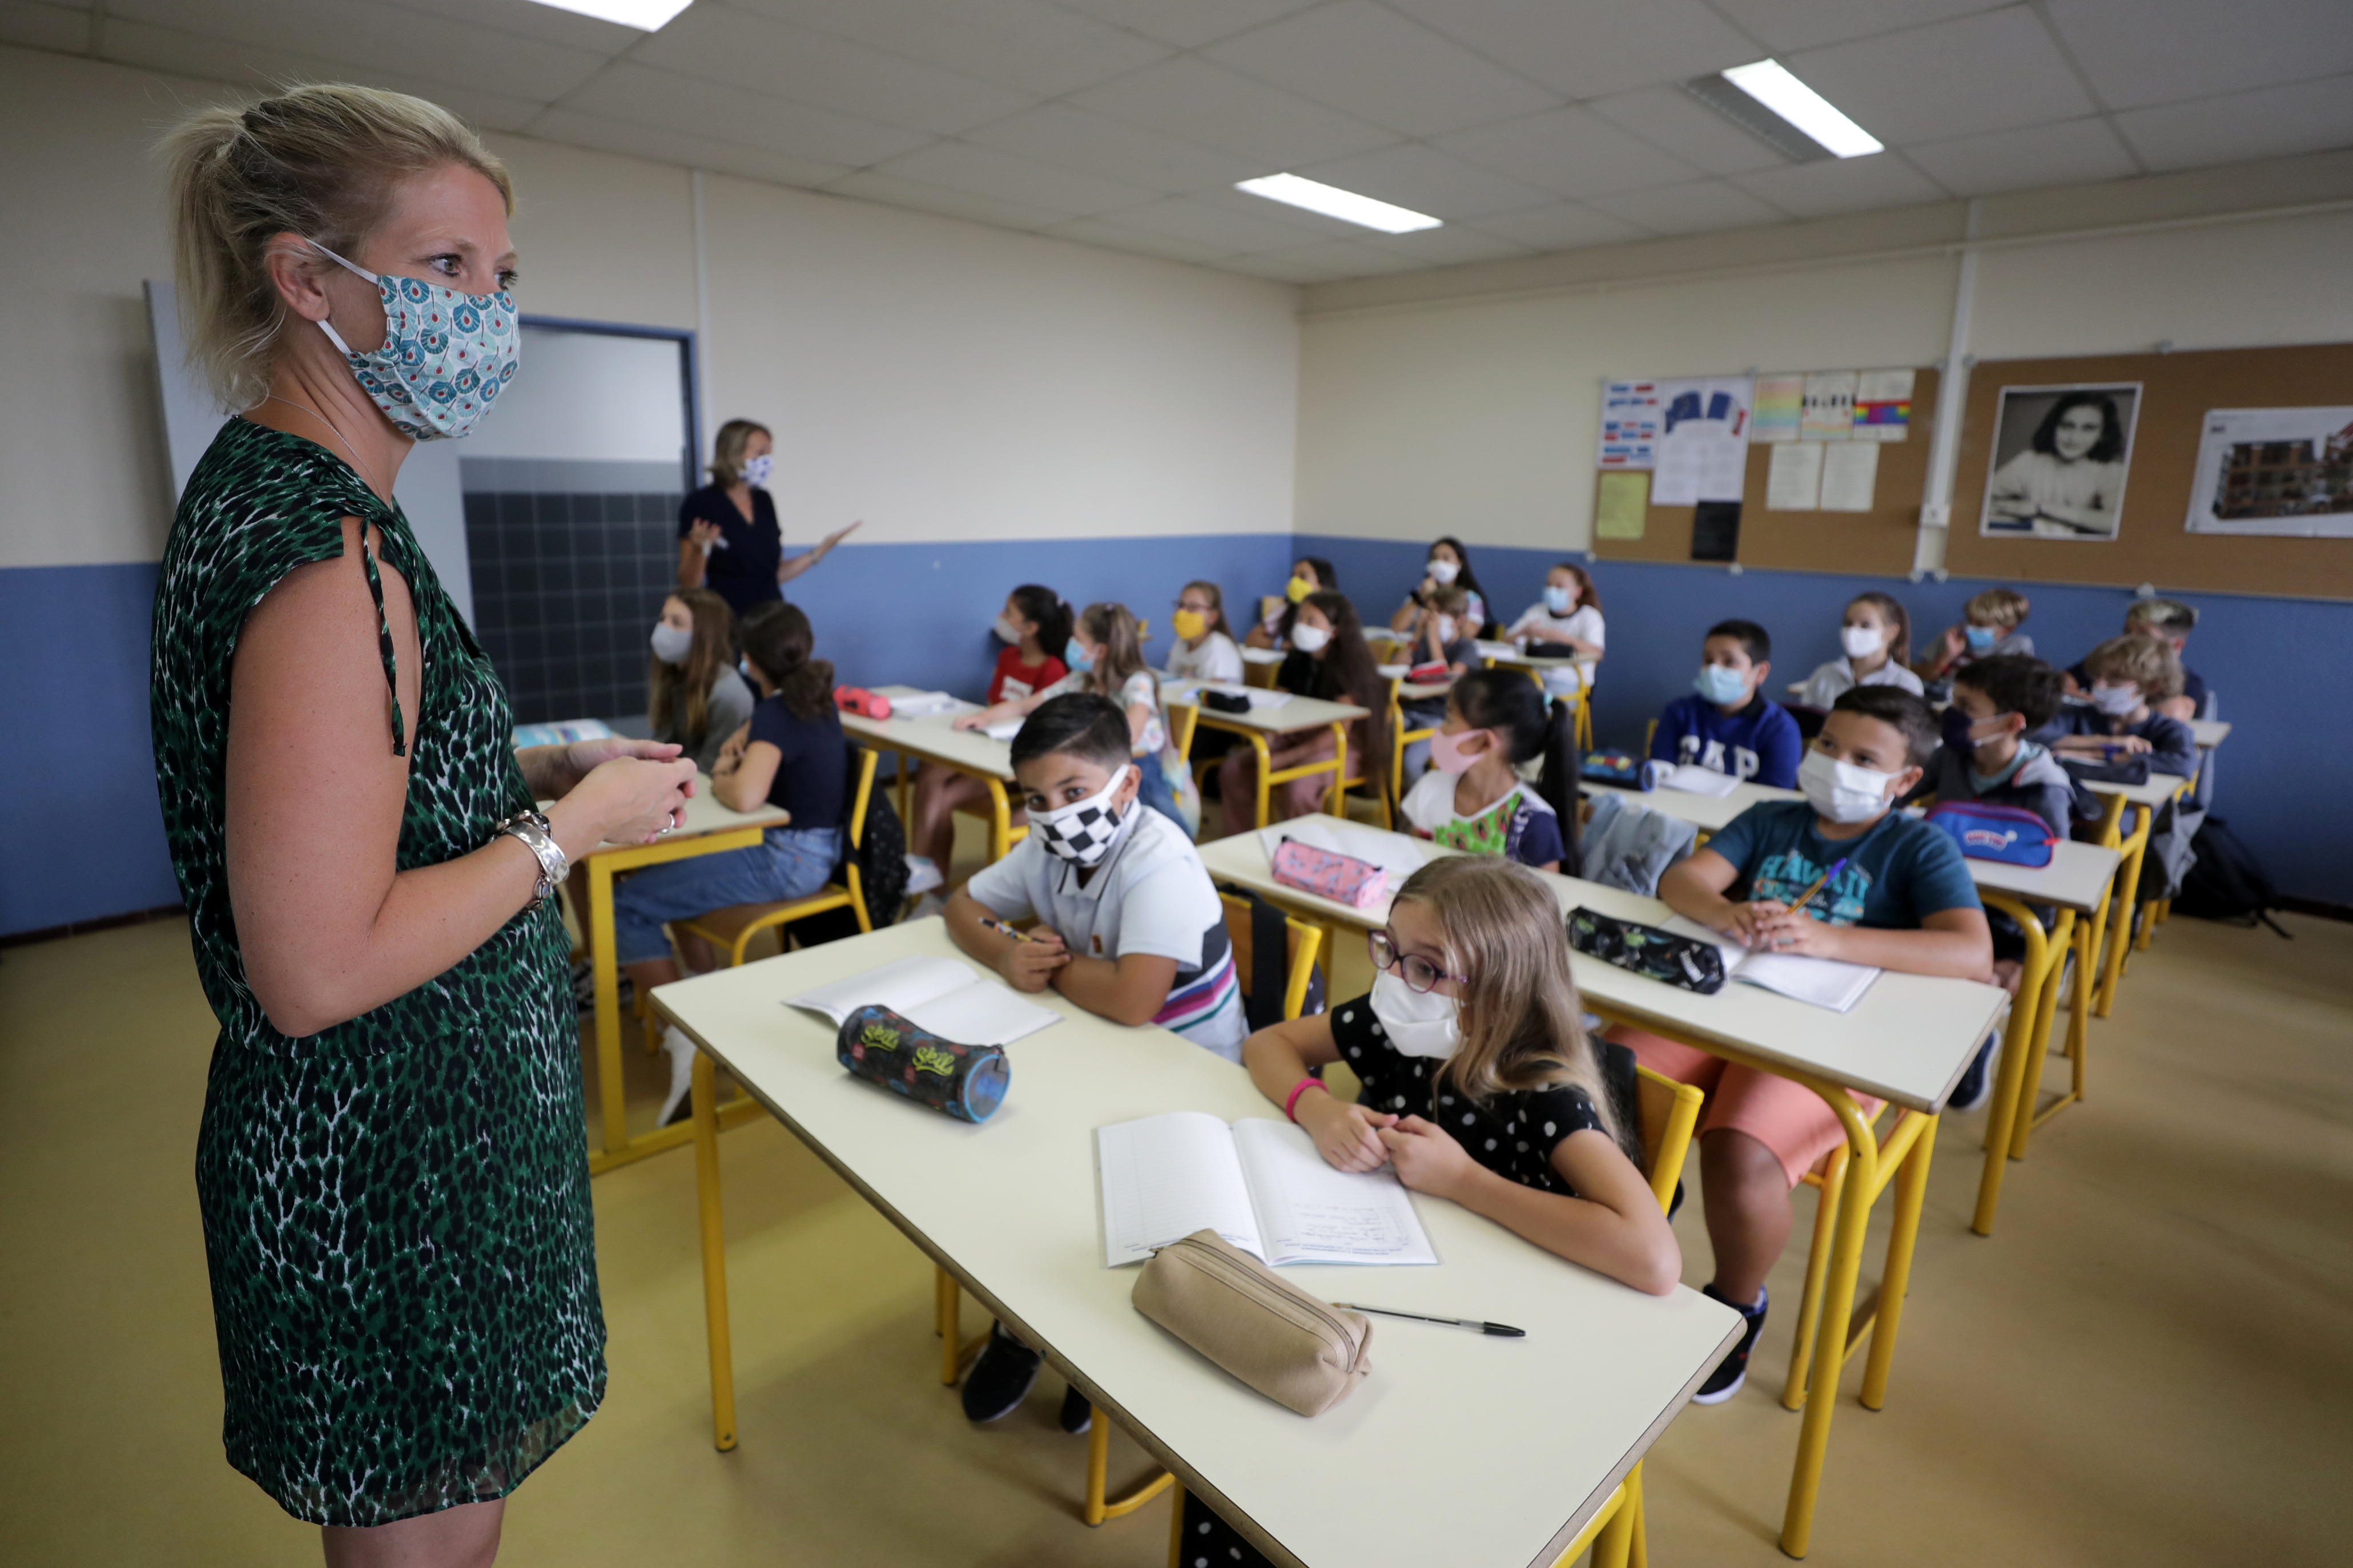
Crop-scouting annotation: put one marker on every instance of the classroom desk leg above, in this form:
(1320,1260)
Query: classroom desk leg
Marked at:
(612,1099)
(2029,1021)
(1829,1340)
(1265,766)
(1339,795)
(715,1254)
(1911,1194)
(1000,821)
(1817,1267)
(904,776)
(2027,1117)
(2121,903)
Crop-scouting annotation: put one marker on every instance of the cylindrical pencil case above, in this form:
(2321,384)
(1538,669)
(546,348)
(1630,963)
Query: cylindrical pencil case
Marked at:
(964,1082)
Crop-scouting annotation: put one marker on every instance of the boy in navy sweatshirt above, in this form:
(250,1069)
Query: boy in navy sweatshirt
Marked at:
(1728,726)
(1998,703)
(2130,675)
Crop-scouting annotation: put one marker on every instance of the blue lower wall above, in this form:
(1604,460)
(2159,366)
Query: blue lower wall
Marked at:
(2276,776)
(81,836)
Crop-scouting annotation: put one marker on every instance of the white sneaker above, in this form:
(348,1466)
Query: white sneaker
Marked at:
(681,1077)
(923,874)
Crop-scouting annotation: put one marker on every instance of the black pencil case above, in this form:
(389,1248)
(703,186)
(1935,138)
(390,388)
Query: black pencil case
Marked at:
(1679,961)
(1226,701)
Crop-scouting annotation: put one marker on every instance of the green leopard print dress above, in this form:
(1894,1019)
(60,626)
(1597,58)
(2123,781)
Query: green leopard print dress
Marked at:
(395,1209)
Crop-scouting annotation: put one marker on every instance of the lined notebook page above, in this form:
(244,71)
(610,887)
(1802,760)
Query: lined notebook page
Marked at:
(1164,1177)
(1822,981)
(1700,781)
(950,998)
(1310,1213)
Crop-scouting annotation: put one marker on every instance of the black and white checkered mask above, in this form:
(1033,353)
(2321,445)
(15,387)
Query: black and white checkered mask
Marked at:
(1083,832)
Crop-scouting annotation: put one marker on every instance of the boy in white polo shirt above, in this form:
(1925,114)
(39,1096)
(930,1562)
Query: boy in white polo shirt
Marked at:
(1130,928)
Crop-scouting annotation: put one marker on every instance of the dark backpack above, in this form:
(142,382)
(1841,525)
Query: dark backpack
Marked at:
(881,857)
(1557,784)
(2226,882)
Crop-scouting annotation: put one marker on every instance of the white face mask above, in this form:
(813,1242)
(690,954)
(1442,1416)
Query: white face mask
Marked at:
(1309,639)
(1419,1023)
(1007,632)
(1446,630)
(756,469)
(1840,791)
(1443,572)
(1084,831)
(1861,642)
(673,644)
(2116,701)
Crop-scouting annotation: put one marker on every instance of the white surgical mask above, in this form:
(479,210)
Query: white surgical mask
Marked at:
(1840,791)
(445,358)
(1719,684)
(1007,632)
(1417,1022)
(756,469)
(1443,572)
(673,644)
(1558,599)
(1309,639)
(1861,642)
(1083,832)
(2116,701)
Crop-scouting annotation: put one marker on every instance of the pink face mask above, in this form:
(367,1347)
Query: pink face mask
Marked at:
(1447,753)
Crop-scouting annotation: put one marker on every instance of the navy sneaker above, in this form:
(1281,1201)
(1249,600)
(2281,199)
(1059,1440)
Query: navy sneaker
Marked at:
(1976,1082)
(1078,1412)
(1001,1379)
(1733,1370)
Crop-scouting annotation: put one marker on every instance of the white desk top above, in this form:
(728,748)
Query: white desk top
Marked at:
(967,750)
(2210,732)
(705,816)
(1299,713)
(1906,1041)
(2160,788)
(1709,813)
(1264,655)
(1010,1206)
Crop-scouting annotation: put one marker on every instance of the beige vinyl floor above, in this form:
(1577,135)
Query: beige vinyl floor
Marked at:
(2151,1362)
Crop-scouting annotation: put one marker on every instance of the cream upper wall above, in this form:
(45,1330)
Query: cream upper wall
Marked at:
(939,379)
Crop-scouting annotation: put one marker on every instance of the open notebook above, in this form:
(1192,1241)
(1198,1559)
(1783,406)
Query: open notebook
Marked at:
(1699,780)
(1824,981)
(950,999)
(1259,1183)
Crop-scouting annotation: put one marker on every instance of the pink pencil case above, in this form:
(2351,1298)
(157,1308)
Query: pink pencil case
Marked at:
(1343,878)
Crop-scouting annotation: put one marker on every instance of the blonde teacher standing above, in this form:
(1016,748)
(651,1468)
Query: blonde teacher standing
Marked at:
(728,537)
(391,1173)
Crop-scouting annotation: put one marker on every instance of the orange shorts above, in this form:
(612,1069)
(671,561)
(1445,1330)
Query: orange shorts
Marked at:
(1786,1118)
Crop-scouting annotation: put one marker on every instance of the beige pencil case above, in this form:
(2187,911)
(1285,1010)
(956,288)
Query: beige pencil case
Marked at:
(1234,1310)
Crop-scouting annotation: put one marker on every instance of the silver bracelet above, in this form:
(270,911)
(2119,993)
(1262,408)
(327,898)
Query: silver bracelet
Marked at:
(538,837)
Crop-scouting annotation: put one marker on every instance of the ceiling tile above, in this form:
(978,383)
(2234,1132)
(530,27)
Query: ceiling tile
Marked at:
(1000,176)
(1190,99)
(1569,152)
(887,190)
(1695,208)
(164,49)
(373,36)
(1837,186)
(2308,117)
(1355,56)
(1189,24)
(1452,245)
(1426,180)
(1211,219)
(1591,46)
(2073,152)
(1142,241)
(682,147)
(1277,267)
(65,29)
(786,62)
(1781,25)
(1075,139)
(1565,226)
(1348,258)
(1026,44)
(1987,72)
(2137,53)
(625,91)
(1670,118)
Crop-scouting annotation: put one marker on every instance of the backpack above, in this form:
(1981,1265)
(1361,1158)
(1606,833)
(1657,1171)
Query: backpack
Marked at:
(2226,882)
(2009,834)
(881,854)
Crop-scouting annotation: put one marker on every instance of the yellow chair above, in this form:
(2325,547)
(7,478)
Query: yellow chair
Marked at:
(1399,739)
(733,927)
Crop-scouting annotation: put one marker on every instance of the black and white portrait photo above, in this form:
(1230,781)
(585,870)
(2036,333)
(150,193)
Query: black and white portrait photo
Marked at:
(2060,454)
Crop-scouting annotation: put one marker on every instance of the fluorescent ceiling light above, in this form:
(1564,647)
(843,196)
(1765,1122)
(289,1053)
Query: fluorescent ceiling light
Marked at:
(1334,202)
(1770,84)
(648,14)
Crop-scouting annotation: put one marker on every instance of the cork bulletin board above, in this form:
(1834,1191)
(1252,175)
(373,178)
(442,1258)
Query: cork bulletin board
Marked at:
(2153,543)
(1880,541)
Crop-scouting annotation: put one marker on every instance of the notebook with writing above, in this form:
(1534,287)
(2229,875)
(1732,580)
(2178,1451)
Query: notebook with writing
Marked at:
(1823,982)
(950,998)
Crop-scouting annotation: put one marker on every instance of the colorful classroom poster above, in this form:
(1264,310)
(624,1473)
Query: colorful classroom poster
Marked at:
(1830,406)
(1618,509)
(1850,475)
(2274,470)
(1629,424)
(1882,405)
(1703,450)
(1780,408)
(1793,481)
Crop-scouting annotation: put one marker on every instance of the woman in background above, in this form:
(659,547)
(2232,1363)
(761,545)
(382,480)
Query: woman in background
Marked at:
(697,698)
(728,537)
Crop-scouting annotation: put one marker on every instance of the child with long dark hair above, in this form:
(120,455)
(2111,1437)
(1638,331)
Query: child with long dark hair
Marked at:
(1330,662)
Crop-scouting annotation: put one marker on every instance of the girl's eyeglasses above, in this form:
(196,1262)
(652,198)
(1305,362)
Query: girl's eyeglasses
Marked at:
(1418,973)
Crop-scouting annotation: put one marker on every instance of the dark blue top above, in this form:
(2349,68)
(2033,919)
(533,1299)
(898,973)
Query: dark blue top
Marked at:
(2172,747)
(1760,741)
(741,567)
(2193,685)
(1895,875)
(815,772)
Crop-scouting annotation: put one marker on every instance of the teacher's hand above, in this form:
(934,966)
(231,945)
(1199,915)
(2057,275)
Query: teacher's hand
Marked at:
(826,544)
(581,758)
(626,799)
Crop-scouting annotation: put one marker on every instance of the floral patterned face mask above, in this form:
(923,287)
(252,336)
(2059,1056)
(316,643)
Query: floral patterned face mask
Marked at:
(445,359)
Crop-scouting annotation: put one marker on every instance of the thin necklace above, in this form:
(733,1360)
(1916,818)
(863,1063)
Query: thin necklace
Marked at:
(330,424)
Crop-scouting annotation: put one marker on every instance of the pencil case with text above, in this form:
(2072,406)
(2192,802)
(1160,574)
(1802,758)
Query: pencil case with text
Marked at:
(1682,961)
(967,1082)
